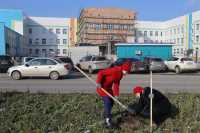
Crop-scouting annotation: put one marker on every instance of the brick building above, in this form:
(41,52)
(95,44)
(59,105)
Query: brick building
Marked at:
(98,26)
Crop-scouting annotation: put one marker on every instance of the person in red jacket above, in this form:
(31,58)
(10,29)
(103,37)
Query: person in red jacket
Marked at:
(109,79)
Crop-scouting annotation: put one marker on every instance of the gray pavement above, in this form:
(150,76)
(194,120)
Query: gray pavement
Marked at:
(166,82)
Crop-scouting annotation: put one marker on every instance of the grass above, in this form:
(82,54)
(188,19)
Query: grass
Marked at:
(76,113)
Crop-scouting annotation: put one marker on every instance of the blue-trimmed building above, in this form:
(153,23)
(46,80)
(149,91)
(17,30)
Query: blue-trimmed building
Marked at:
(137,50)
(11,32)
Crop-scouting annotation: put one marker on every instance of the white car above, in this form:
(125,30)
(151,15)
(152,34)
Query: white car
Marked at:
(92,63)
(40,67)
(180,64)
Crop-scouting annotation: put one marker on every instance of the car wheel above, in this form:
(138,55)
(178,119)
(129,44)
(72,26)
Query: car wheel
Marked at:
(177,69)
(16,75)
(54,75)
(90,70)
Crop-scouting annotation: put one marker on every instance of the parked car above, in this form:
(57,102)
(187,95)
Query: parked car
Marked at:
(180,64)
(40,67)
(154,64)
(137,65)
(5,63)
(66,60)
(92,63)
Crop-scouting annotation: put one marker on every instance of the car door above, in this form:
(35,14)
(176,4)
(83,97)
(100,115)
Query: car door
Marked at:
(31,68)
(47,65)
(85,62)
(172,63)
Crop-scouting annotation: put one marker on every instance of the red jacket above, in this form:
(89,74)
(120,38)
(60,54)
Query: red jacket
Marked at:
(109,79)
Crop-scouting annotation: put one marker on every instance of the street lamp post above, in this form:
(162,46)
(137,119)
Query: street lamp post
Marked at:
(197,54)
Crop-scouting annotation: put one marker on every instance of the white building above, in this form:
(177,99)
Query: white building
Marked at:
(47,36)
(183,32)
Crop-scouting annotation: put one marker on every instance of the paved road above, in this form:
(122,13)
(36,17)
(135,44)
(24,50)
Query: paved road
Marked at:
(166,82)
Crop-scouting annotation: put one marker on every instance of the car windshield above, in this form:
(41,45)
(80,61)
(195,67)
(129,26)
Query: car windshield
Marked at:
(133,59)
(156,59)
(99,58)
(65,60)
(28,59)
(5,57)
(186,59)
(59,61)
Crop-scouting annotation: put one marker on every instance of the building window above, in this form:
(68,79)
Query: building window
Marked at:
(178,41)
(197,38)
(182,29)
(36,41)
(174,31)
(44,52)
(171,32)
(37,51)
(57,31)
(156,33)
(121,27)
(30,30)
(30,51)
(182,40)
(140,33)
(98,26)
(64,41)
(151,33)
(160,33)
(58,51)
(182,51)
(64,31)
(145,33)
(64,51)
(44,41)
(177,51)
(57,41)
(30,41)
(178,30)
(174,51)
(197,26)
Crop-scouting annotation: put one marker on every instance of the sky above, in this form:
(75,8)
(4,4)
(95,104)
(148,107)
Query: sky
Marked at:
(152,10)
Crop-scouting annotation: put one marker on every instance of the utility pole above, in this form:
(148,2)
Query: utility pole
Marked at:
(197,54)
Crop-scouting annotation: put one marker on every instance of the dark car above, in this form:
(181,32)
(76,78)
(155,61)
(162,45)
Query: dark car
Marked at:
(154,64)
(66,60)
(5,63)
(137,65)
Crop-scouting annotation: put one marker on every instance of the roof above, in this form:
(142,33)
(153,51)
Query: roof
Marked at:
(144,44)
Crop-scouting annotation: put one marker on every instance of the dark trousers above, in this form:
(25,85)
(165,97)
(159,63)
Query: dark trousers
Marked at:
(108,104)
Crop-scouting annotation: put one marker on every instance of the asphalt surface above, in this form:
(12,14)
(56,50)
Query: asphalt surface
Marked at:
(165,82)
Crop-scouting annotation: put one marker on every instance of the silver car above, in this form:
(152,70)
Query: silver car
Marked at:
(92,63)
(181,64)
(154,64)
(40,67)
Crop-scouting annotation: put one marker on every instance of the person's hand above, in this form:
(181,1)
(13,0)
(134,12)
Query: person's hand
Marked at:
(98,85)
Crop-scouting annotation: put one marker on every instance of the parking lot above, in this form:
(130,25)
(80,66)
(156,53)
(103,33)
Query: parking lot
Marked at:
(166,82)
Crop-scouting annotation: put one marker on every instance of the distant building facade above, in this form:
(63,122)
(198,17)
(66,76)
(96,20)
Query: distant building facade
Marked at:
(101,25)
(46,36)
(11,32)
(22,35)
(183,32)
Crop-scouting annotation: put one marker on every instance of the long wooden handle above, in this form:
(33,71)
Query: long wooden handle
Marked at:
(116,100)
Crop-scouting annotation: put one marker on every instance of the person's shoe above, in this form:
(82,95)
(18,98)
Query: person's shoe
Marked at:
(108,123)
